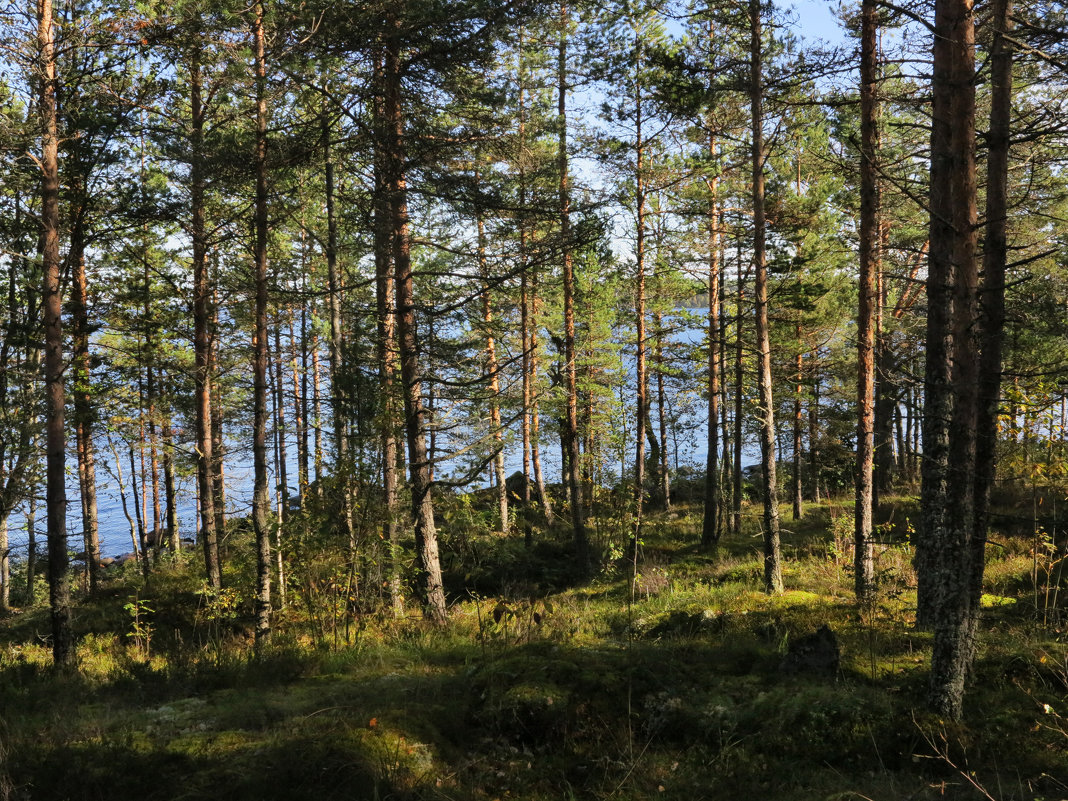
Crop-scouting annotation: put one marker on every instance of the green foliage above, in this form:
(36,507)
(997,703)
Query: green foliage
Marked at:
(141,628)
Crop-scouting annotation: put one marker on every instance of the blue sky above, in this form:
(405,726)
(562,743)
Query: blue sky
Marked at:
(816,19)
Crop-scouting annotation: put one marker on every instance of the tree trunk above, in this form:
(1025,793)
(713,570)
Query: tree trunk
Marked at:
(492,369)
(535,417)
(772,556)
(317,418)
(337,368)
(83,408)
(814,439)
(739,377)
(173,536)
(282,475)
(574,464)
(299,372)
(218,445)
(150,399)
(141,545)
(386,346)
(662,412)
(710,525)
(201,337)
(885,413)
(864,565)
(407,337)
(951,398)
(642,401)
(63,652)
(260,499)
(710,530)
(992,295)
(727,495)
(31,549)
(795,477)
(886,391)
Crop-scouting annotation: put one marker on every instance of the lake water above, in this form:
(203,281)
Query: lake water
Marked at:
(686,447)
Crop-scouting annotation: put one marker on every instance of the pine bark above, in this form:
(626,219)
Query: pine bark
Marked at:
(864,565)
(795,476)
(83,408)
(951,377)
(535,414)
(772,555)
(492,371)
(710,530)
(386,346)
(282,473)
(992,295)
(574,464)
(662,412)
(336,350)
(727,488)
(201,322)
(260,498)
(739,377)
(299,372)
(169,489)
(814,440)
(407,338)
(642,401)
(63,652)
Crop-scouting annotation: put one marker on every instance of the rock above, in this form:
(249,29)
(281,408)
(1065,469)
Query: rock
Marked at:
(155,537)
(122,559)
(813,653)
(515,484)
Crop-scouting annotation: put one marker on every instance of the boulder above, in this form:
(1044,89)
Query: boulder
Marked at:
(814,653)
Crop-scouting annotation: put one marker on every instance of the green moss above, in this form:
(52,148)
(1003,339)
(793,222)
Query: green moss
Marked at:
(606,688)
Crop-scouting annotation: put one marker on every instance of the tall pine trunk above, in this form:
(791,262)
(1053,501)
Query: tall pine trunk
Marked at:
(524,290)
(336,350)
(739,377)
(772,555)
(83,407)
(662,412)
(426,537)
(864,565)
(642,401)
(386,347)
(260,498)
(492,369)
(795,475)
(282,473)
(951,377)
(63,652)
(535,415)
(574,462)
(992,296)
(710,530)
(201,322)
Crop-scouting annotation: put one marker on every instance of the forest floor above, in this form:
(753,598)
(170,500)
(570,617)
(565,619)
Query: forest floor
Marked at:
(674,677)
